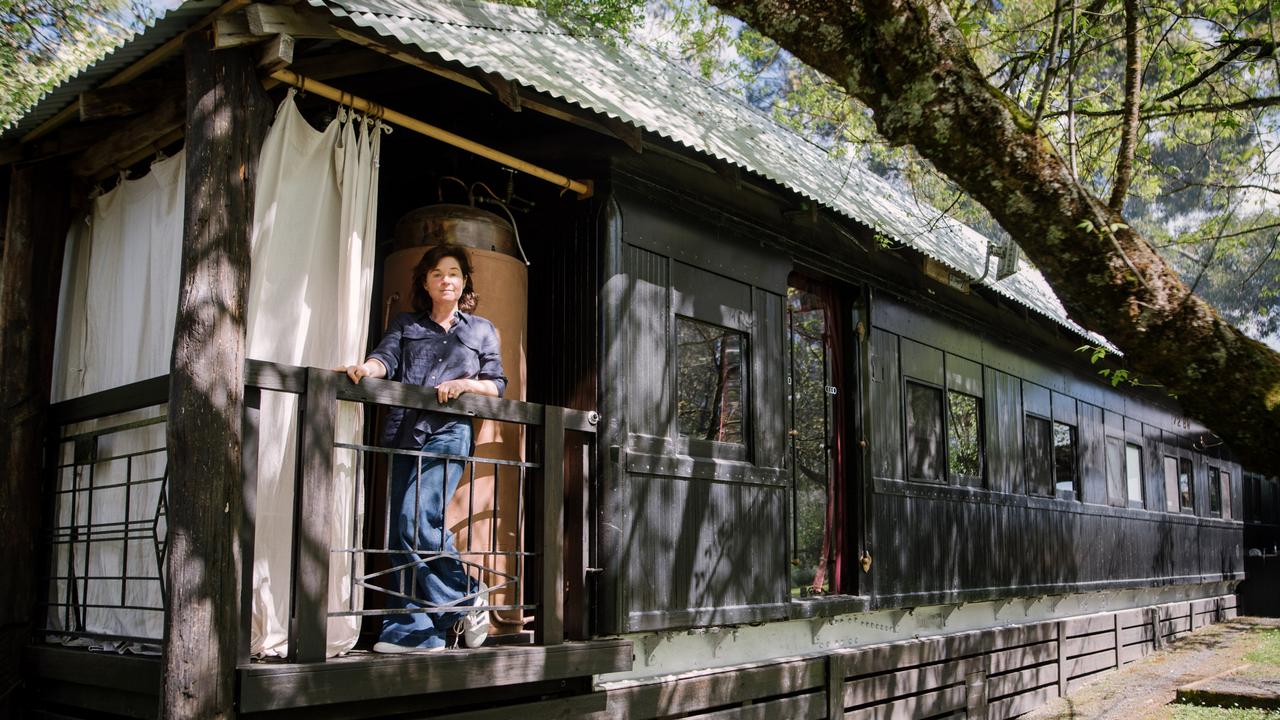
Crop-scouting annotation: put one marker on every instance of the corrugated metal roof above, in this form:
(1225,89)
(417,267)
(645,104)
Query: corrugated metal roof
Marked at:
(160,31)
(638,86)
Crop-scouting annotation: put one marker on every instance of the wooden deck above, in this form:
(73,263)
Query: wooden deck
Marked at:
(358,684)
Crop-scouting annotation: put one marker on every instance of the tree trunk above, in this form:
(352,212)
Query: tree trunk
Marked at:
(30,269)
(906,60)
(227,115)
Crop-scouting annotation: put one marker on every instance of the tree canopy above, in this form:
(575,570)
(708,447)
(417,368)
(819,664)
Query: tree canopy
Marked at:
(43,42)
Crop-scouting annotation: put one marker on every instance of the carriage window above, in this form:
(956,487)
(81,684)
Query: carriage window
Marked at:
(1116,472)
(1133,473)
(1065,473)
(1215,491)
(924,432)
(1039,456)
(1186,485)
(710,381)
(1226,493)
(1170,483)
(964,438)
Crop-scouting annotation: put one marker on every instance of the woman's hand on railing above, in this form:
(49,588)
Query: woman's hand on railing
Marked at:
(369,368)
(450,389)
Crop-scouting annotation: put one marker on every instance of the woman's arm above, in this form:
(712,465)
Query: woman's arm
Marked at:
(372,367)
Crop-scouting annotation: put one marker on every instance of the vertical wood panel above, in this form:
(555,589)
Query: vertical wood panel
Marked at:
(1093,461)
(1004,431)
(647,403)
(767,365)
(884,407)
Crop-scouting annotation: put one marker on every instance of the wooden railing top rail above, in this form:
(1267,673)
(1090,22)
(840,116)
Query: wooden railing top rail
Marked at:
(278,377)
(134,396)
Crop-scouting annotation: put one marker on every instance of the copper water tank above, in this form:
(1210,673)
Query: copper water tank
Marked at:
(501,283)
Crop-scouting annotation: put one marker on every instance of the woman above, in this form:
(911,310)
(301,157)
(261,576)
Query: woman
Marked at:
(440,345)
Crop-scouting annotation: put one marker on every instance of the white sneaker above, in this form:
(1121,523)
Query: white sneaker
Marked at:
(389,648)
(475,625)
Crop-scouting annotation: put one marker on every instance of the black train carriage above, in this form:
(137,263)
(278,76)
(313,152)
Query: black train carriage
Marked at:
(783,460)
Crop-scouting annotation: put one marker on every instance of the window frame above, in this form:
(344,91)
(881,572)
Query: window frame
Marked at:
(1122,479)
(953,477)
(1172,496)
(718,449)
(944,477)
(1214,475)
(1190,493)
(1141,502)
(1076,480)
(1026,453)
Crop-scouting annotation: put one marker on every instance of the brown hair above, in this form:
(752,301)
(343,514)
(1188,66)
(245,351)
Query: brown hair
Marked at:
(431,258)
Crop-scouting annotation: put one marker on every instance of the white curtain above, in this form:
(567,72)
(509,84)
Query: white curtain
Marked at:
(309,304)
(115,326)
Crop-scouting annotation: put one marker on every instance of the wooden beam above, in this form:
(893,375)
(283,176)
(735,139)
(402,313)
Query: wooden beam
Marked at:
(141,133)
(506,91)
(65,141)
(30,269)
(278,20)
(233,31)
(141,154)
(277,54)
(148,61)
(126,100)
(226,119)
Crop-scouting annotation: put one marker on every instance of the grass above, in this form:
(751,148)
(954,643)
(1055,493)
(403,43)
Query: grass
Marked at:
(1268,650)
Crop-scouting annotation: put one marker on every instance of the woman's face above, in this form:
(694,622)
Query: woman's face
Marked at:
(444,282)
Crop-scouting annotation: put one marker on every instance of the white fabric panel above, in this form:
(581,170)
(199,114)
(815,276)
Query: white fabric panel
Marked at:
(115,325)
(120,285)
(309,300)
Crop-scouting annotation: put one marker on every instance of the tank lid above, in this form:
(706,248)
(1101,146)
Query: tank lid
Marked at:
(458,224)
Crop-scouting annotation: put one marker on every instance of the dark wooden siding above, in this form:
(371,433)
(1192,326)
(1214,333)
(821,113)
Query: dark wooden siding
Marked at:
(696,535)
(937,543)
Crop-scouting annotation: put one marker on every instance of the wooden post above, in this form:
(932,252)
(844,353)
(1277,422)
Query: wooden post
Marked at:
(1117,641)
(836,672)
(226,116)
(313,517)
(30,268)
(1062,658)
(551,531)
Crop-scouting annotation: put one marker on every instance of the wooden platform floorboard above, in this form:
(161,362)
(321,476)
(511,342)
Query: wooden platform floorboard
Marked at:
(361,676)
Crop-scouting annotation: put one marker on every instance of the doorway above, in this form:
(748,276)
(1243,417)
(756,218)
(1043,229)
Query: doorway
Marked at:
(816,449)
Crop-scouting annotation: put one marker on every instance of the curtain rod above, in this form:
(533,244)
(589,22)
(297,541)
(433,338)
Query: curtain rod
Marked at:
(582,187)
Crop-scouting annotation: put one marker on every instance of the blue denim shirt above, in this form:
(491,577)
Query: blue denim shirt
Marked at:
(418,351)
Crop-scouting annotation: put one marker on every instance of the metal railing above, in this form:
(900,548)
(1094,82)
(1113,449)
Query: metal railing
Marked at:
(105,526)
(524,569)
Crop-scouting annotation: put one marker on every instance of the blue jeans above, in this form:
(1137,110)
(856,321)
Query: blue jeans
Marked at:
(420,489)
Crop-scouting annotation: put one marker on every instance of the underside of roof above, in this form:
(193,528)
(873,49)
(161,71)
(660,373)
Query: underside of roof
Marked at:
(640,87)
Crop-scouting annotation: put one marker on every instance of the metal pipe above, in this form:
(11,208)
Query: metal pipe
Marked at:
(581,187)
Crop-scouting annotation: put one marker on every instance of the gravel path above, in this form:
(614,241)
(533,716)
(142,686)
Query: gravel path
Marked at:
(1143,689)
